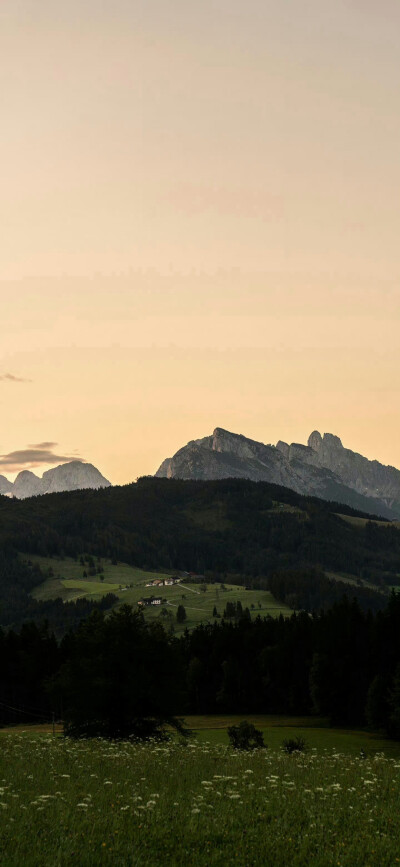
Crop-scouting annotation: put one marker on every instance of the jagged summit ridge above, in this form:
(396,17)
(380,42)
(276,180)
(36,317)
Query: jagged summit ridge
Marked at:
(72,476)
(323,467)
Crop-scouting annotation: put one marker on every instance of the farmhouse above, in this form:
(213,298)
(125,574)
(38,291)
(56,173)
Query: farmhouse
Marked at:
(159,582)
(149,600)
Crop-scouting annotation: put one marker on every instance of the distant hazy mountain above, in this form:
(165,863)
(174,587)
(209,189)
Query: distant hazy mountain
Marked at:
(323,468)
(27,485)
(67,477)
(5,485)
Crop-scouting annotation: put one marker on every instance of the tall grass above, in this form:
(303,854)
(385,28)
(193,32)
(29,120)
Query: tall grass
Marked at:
(98,803)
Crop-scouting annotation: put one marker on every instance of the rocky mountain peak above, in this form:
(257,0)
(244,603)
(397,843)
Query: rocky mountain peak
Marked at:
(221,439)
(27,484)
(71,476)
(331,441)
(5,485)
(225,441)
(323,468)
(315,440)
(284,448)
(327,442)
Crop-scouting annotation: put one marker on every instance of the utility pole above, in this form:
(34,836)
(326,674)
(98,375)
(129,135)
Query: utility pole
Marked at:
(54,723)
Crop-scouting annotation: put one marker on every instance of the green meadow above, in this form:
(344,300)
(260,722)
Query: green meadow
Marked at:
(65,579)
(90,803)
(361,522)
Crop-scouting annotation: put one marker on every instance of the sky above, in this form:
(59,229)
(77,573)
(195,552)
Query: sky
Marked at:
(199,227)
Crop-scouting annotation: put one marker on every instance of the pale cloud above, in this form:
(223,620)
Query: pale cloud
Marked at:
(9,377)
(45,445)
(33,456)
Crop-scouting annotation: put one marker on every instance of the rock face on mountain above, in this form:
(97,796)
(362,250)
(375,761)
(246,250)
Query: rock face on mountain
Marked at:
(72,476)
(369,478)
(5,485)
(323,468)
(27,485)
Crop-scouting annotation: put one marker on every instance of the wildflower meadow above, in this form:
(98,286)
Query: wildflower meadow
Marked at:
(65,802)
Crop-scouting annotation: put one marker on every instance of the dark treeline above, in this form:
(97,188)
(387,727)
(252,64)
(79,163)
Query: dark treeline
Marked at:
(343,664)
(112,672)
(311,590)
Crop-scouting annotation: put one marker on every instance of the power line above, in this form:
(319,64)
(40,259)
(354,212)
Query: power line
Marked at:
(24,707)
(26,712)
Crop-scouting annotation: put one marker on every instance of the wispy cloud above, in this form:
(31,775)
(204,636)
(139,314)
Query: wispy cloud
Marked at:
(36,455)
(38,446)
(9,377)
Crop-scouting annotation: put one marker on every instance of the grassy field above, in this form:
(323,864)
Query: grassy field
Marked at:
(361,522)
(68,578)
(354,581)
(315,731)
(158,805)
(129,584)
(199,605)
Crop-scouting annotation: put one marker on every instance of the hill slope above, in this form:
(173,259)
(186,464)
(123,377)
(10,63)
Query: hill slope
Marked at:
(233,529)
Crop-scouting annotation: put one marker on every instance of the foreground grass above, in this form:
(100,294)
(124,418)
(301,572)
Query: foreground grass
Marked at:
(95,803)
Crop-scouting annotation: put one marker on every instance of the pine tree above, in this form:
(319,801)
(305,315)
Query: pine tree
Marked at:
(181,614)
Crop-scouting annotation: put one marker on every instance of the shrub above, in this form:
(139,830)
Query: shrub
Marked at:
(245,736)
(294,745)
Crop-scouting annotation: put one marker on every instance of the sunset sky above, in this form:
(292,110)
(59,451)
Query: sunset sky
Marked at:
(199,227)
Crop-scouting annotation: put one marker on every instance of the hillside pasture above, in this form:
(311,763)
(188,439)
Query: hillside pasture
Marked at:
(356,521)
(65,579)
(355,581)
(120,573)
(199,605)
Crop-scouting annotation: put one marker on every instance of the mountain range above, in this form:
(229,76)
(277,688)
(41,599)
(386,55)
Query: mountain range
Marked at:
(71,476)
(322,468)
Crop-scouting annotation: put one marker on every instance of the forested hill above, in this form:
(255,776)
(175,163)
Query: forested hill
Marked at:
(252,530)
